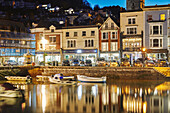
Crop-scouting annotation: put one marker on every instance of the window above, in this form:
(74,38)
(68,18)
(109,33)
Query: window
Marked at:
(132,20)
(67,34)
(156,29)
(105,35)
(89,43)
(75,33)
(156,42)
(83,33)
(112,25)
(92,33)
(162,16)
(114,46)
(131,30)
(52,39)
(104,46)
(149,17)
(106,25)
(41,46)
(71,43)
(52,30)
(114,35)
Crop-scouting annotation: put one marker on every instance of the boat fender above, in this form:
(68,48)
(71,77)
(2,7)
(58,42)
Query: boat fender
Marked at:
(61,77)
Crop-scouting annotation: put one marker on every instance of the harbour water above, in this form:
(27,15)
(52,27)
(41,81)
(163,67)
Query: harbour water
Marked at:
(113,97)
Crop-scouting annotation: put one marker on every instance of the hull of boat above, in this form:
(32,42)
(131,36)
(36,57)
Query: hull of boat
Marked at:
(61,82)
(11,93)
(86,79)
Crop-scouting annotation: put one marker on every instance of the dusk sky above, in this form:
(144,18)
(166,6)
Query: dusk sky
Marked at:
(122,3)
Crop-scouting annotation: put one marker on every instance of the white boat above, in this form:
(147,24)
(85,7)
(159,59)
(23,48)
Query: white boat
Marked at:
(8,90)
(18,78)
(83,78)
(60,79)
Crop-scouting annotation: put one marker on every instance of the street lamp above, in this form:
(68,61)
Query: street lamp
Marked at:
(143,53)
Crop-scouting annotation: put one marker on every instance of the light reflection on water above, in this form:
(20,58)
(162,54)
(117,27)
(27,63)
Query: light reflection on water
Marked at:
(114,97)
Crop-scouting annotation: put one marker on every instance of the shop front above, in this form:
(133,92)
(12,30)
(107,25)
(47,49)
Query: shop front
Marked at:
(47,56)
(81,54)
(110,55)
(155,54)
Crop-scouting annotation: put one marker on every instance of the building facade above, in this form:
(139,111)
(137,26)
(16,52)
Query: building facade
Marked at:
(48,44)
(131,24)
(15,41)
(156,23)
(80,42)
(109,40)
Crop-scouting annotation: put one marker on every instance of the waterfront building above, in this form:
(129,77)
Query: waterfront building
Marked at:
(80,42)
(156,35)
(15,41)
(109,39)
(131,24)
(48,43)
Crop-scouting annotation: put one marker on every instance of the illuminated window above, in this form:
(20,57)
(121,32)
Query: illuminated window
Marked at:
(162,16)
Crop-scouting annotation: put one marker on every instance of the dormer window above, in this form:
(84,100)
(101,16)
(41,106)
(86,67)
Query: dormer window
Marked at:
(149,17)
(162,17)
(52,30)
(106,25)
(112,25)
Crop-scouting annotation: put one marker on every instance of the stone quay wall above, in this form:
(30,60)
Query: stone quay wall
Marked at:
(111,72)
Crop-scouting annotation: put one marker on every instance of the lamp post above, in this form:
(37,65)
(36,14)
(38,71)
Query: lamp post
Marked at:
(143,53)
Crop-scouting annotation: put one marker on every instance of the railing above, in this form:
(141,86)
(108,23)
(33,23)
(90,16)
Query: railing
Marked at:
(25,36)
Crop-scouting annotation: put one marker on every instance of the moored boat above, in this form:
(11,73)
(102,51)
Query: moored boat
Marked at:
(63,80)
(83,78)
(8,90)
(18,78)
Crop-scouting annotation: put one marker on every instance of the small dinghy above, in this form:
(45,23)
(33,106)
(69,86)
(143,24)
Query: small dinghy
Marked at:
(8,90)
(64,80)
(83,78)
(18,78)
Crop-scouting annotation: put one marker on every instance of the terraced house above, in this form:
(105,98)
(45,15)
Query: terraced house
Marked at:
(156,35)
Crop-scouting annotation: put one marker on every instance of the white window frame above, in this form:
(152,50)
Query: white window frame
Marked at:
(129,30)
(89,44)
(151,29)
(151,43)
(69,46)
(53,37)
(106,34)
(116,35)
(115,44)
(131,19)
(106,44)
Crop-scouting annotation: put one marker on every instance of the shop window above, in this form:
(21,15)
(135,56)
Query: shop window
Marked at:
(83,33)
(67,34)
(162,17)
(92,33)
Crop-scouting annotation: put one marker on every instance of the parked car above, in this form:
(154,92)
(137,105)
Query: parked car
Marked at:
(101,62)
(114,63)
(65,63)
(82,63)
(88,63)
(10,62)
(125,62)
(74,62)
(137,63)
(162,63)
(150,63)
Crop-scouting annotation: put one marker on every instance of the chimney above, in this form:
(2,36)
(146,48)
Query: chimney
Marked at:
(66,22)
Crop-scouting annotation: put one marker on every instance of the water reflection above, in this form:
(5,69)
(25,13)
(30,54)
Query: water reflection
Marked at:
(92,98)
